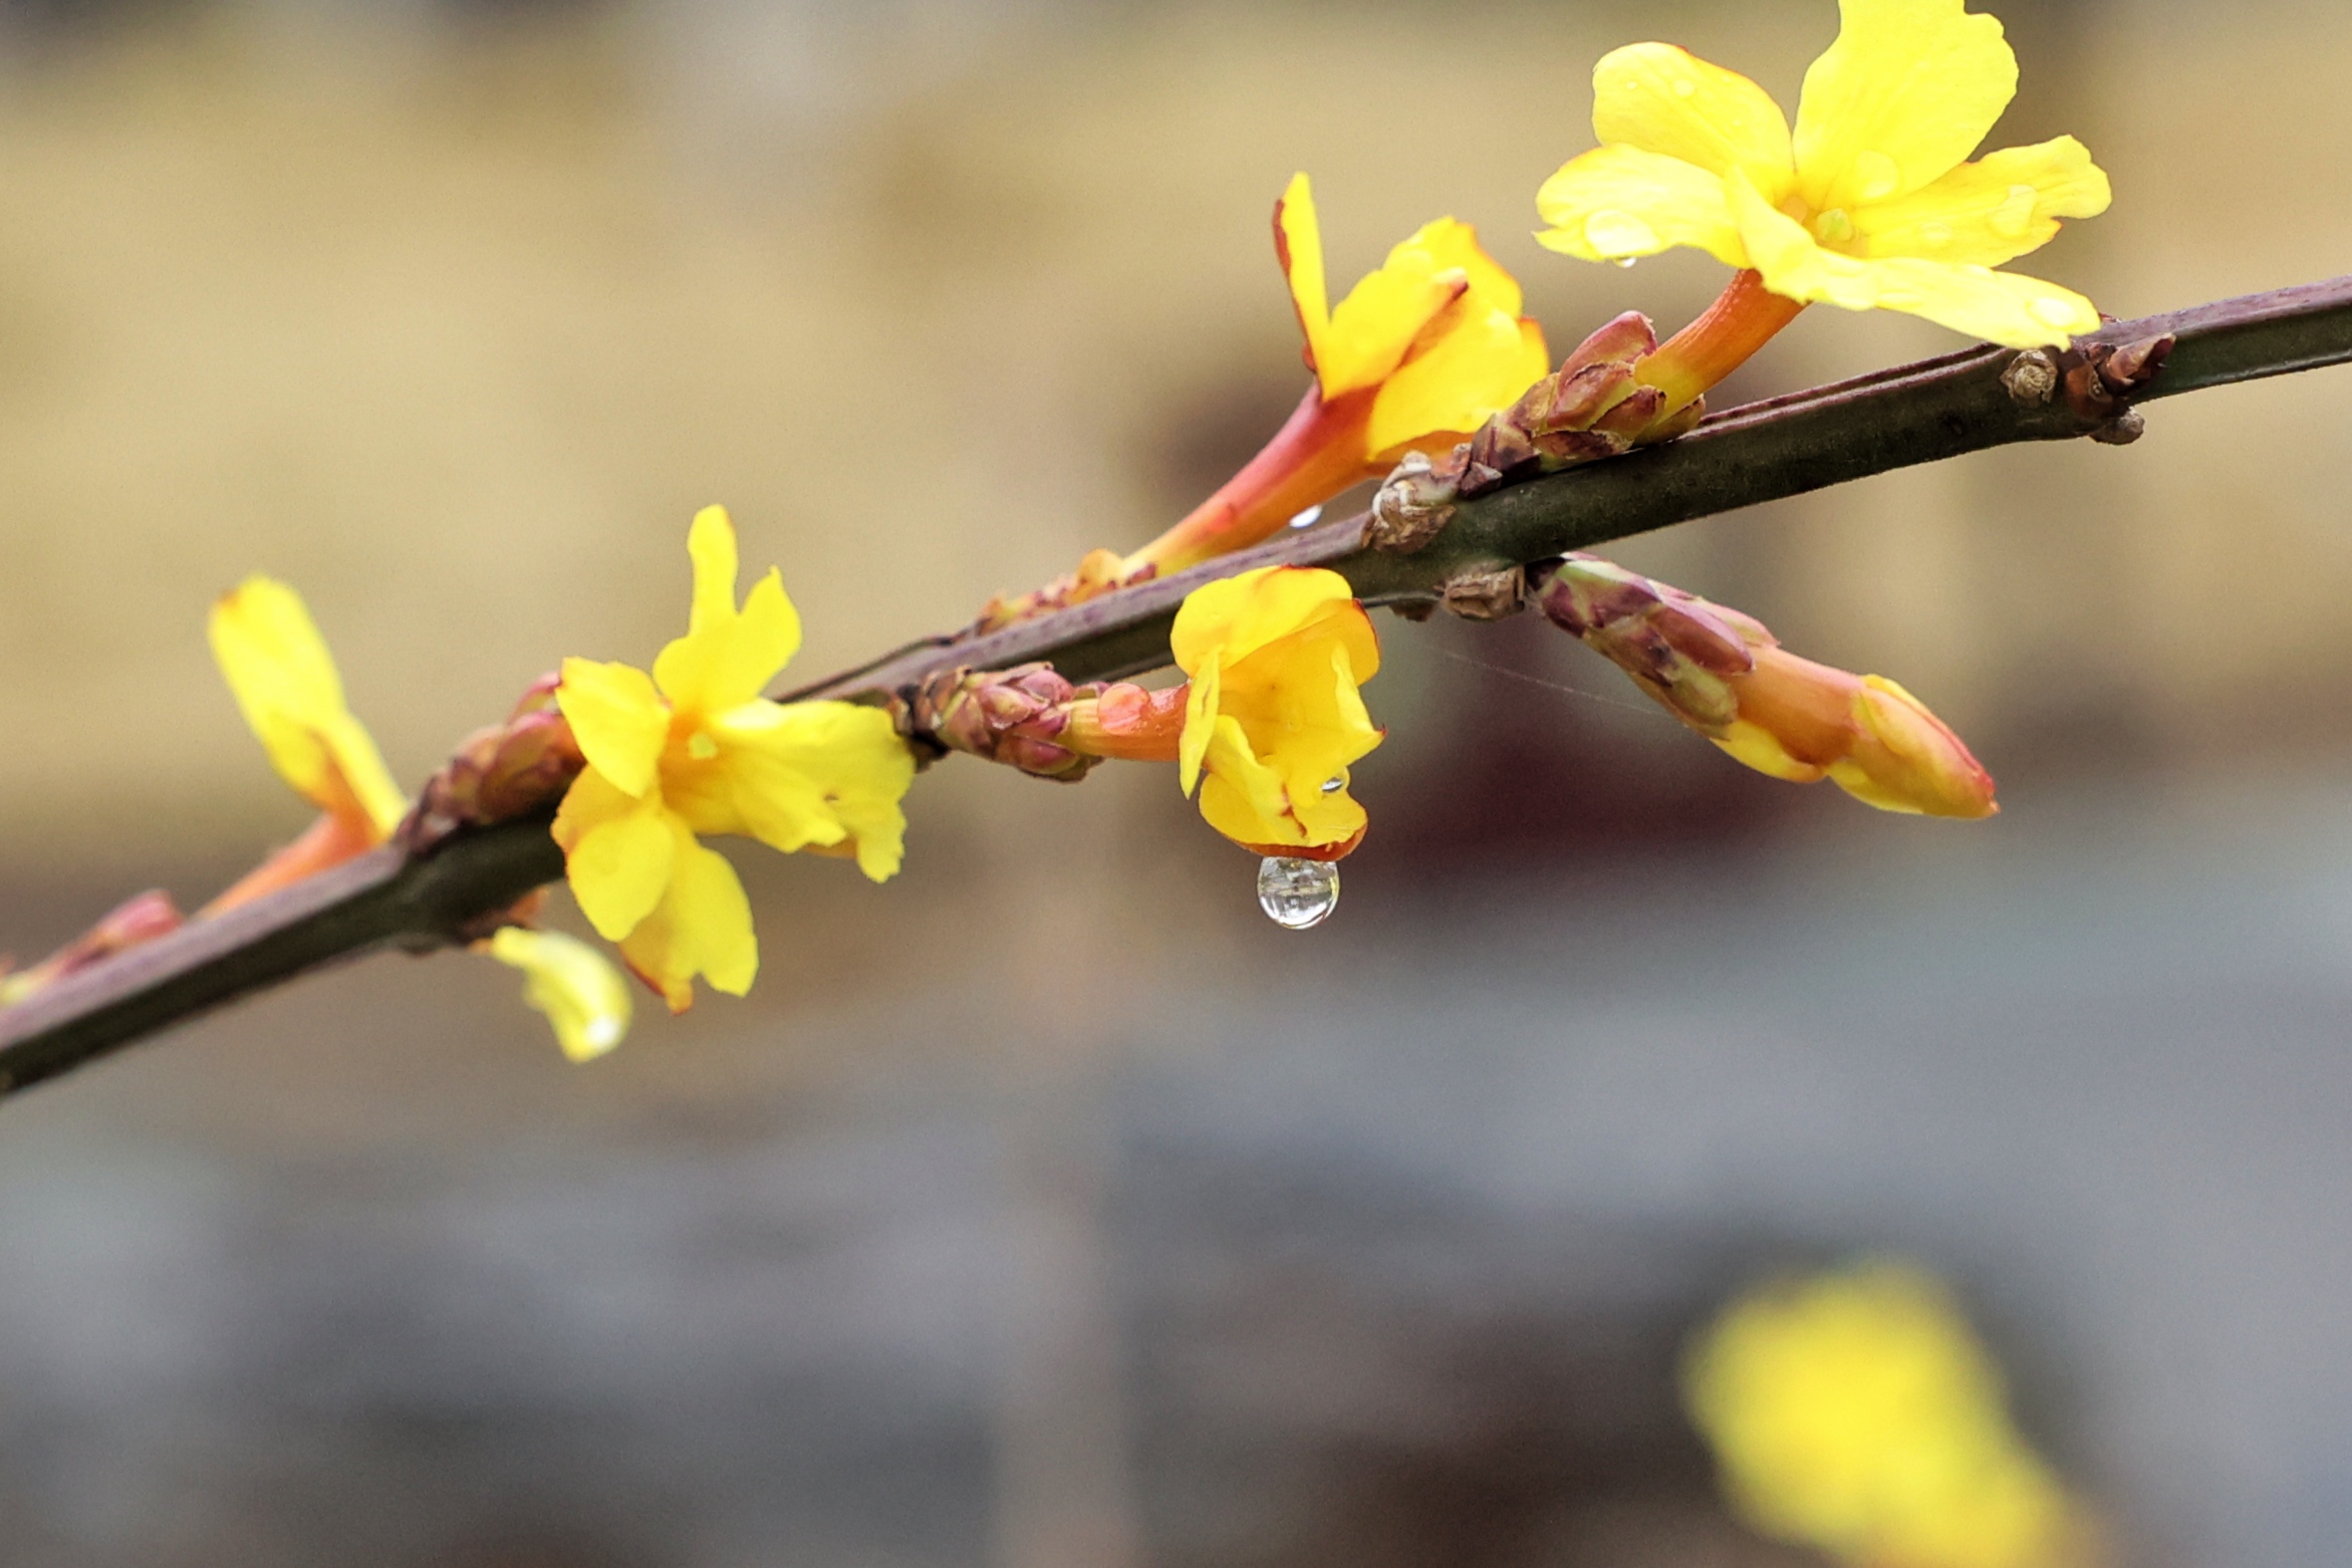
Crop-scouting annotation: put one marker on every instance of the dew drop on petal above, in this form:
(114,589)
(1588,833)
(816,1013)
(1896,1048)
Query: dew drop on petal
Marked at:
(2053,313)
(1935,235)
(1334,786)
(1297,893)
(1876,176)
(1685,87)
(1615,234)
(2015,215)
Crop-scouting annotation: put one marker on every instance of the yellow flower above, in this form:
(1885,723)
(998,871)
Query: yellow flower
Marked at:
(283,679)
(1858,1413)
(584,997)
(1420,354)
(1867,204)
(1434,335)
(693,748)
(1274,718)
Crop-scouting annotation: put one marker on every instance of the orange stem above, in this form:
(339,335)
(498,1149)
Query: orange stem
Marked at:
(1316,454)
(1128,724)
(1743,319)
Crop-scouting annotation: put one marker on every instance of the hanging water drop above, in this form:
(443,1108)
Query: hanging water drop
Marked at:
(1308,518)
(1623,261)
(1297,893)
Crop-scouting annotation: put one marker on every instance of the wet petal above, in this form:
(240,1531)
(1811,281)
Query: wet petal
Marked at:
(1617,202)
(1999,306)
(1667,100)
(1909,90)
(1990,211)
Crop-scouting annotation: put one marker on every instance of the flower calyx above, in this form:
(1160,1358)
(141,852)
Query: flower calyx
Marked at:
(1594,406)
(1724,674)
(499,772)
(1014,716)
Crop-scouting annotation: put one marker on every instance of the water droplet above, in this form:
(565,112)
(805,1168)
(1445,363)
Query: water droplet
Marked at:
(2015,215)
(1307,518)
(1876,176)
(1685,87)
(1623,261)
(1334,786)
(1935,235)
(1297,893)
(1616,234)
(2055,312)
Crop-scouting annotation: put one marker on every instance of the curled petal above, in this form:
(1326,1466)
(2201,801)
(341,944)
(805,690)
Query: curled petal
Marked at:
(1617,202)
(1667,100)
(1236,615)
(1298,246)
(703,925)
(1908,90)
(1458,383)
(584,999)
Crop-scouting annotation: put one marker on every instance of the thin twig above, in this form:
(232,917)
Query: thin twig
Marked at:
(1784,446)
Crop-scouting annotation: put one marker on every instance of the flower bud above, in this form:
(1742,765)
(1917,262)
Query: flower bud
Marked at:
(1724,675)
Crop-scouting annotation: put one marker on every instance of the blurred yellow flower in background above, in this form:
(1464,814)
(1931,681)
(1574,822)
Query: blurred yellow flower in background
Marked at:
(693,748)
(286,684)
(1868,203)
(285,681)
(1857,1413)
(1274,718)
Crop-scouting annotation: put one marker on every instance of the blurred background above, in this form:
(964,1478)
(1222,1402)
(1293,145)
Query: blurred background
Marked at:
(1049,1207)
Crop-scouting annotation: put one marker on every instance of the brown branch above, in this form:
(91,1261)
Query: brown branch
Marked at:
(1783,446)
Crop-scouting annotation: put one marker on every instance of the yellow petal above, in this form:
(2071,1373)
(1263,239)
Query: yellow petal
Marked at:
(726,656)
(1665,99)
(1472,372)
(585,998)
(1987,212)
(1445,245)
(1374,327)
(1201,716)
(1999,306)
(1298,245)
(285,682)
(619,720)
(619,867)
(703,925)
(1238,614)
(1908,90)
(808,774)
(1243,797)
(1617,202)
